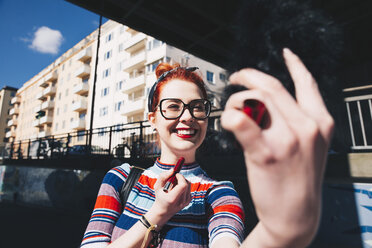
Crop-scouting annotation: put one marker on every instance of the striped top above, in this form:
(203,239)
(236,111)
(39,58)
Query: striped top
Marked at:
(215,210)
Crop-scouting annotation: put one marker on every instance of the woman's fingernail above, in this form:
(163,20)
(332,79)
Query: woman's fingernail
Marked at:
(255,110)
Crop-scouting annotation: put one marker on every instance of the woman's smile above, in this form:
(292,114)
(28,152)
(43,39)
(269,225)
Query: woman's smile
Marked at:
(185,133)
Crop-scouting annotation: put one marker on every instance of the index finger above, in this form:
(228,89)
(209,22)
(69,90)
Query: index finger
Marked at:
(308,95)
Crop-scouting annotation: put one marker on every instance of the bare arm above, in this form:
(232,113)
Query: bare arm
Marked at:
(285,160)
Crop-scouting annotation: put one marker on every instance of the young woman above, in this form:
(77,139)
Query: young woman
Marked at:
(285,163)
(197,211)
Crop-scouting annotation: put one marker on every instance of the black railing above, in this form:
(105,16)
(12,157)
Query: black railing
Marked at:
(131,140)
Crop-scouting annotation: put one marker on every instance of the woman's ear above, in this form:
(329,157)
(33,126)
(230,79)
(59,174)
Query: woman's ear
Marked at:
(151,118)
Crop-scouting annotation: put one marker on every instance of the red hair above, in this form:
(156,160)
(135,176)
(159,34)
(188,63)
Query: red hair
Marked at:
(180,73)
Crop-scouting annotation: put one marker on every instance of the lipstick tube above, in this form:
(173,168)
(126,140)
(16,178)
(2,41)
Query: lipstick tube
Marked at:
(171,181)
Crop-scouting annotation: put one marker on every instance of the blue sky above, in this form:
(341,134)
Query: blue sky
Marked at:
(33,33)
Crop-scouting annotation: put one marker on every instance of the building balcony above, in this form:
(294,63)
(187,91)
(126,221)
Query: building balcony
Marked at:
(51,77)
(40,96)
(133,84)
(135,62)
(12,122)
(82,71)
(36,123)
(132,107)
(42,83)
(37,108)
(79,105)
(156,54)
(47,105)
(10,133)
(46,120)
(78,124)
(44,133)
(50,90)
(135,43)
(14,111)
(80,88)
(84,55)
(15,99)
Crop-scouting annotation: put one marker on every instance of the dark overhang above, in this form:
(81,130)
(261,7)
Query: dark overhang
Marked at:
(203,27)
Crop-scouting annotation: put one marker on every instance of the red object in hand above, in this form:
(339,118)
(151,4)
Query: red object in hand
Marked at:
(256,110)
(171,181)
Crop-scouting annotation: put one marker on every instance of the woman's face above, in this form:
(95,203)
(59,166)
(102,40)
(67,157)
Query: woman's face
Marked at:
(184,135)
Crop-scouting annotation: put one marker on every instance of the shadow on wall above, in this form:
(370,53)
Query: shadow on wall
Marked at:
(67,191)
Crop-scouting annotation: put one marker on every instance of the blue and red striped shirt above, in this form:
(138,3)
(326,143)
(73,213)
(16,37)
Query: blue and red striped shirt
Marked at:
(215,210)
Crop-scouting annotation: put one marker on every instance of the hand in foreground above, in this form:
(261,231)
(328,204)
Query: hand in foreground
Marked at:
(169,203)
(286,160)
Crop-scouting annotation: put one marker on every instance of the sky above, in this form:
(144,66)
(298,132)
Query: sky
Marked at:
(34,33)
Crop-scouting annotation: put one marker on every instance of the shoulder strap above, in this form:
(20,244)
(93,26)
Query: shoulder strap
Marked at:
(134,175)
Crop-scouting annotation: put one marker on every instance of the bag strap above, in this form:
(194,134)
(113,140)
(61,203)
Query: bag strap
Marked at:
(134,175)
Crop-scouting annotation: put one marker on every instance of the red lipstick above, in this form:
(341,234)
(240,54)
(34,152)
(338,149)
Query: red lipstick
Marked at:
(172,180)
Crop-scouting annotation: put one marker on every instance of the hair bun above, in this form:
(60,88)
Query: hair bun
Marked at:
(164,67)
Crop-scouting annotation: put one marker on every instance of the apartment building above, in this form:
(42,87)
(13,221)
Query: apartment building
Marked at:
(58,100)
(8,113)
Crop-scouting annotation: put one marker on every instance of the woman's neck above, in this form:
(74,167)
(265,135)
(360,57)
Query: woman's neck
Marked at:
(168,157)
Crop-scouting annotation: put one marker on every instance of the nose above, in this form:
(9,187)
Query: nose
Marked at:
(186,115)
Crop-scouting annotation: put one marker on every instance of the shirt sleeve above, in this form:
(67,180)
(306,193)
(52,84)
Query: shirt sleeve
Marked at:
(107,209)
(225,213)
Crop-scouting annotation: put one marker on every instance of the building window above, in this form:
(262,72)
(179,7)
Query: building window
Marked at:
(101,131)
(152,67)
(153,44)
(57,112)
(68,76)
(118,105)
(108,55)
(109,37)
(12,94)
(85,80)
(105,91)
(210,77)
(106,73)
(222,77)
(63,124)
(82,116)
(56,127)
(63,67)
(80,135)
(66,92)
(65,108)
(119,85)
(59,96)
(103,111)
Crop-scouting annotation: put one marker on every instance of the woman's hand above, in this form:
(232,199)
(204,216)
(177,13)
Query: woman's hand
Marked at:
(285,160)
(169,203)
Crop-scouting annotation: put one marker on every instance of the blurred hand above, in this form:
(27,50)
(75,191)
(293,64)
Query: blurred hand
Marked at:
(286,159)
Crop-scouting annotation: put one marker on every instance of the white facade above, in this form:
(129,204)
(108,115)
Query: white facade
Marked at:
(125,73)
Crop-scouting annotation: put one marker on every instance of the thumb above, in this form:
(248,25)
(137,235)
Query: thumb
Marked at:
(162,179)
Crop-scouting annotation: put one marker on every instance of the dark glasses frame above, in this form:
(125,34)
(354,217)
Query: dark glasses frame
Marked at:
(162,76)
(207,103)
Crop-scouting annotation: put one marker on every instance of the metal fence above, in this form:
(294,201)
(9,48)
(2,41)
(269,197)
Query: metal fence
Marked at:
(131,140)
(359,110)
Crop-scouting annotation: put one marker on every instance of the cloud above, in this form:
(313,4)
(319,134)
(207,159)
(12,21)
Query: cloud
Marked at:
(45,40)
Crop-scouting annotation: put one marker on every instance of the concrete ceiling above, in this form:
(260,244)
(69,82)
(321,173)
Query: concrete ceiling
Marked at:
(203,27)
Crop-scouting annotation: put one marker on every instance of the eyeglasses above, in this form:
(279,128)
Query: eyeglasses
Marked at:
(173,108)
(162,76)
